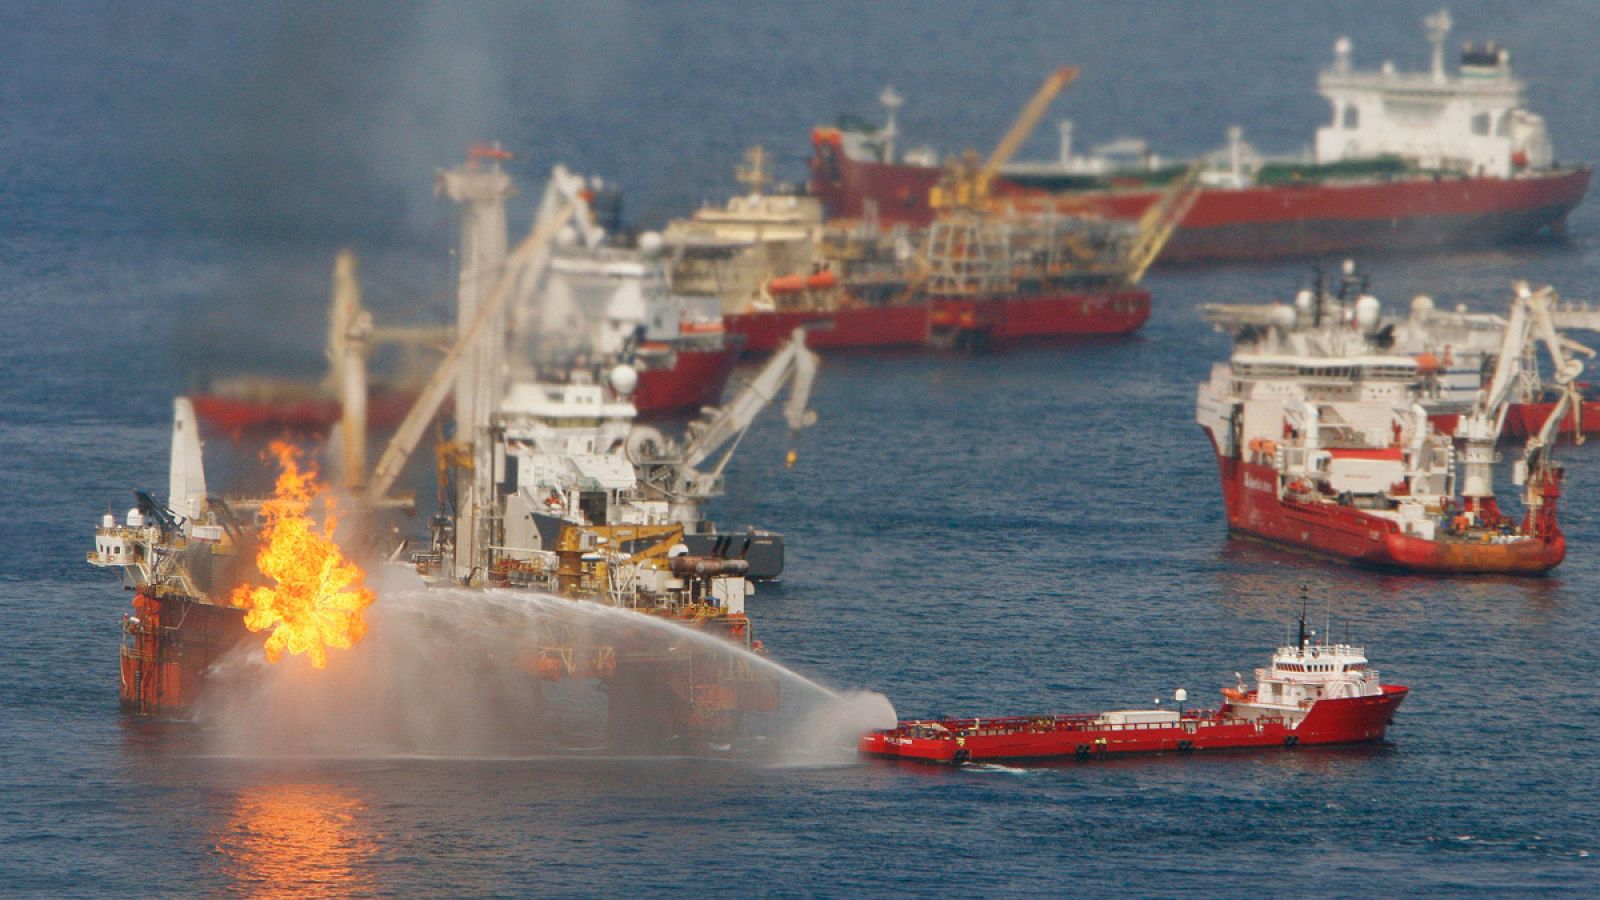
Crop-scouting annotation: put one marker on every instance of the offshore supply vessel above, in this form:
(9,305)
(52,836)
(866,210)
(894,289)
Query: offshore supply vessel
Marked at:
(1312,693)
(1408,160)
(1322,445)
(972,277)
(1456,350)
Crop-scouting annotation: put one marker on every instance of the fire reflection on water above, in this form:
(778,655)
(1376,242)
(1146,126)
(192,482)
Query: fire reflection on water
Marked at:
(297,839)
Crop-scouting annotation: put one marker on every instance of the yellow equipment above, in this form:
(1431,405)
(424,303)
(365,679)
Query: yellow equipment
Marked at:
(967,183)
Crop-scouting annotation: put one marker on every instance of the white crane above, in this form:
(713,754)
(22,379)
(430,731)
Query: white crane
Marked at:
(674,469)
(1479,430)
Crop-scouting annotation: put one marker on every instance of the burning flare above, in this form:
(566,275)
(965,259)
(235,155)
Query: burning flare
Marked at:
(319,594)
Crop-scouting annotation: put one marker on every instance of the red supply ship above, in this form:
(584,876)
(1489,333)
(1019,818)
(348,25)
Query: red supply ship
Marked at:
(1323,445)
(1409,160)
(1311,694)
(970,278)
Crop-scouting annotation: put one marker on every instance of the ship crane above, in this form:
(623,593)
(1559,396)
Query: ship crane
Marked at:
(531,256)
(674,469)
(1479,430)
(967,184)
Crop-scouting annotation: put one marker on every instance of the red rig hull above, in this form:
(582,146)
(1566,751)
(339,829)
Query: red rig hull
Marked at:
(1350,720)
(1357,536)
(1253,223)
(946,322)
(169,646)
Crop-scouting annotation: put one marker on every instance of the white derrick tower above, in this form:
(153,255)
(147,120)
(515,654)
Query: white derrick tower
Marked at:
(481,188)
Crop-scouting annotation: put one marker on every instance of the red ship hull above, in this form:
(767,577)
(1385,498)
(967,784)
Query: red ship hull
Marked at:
(1354,535)
(1018,317)
(1526,419)
(1255,223)
(697,379)
(1348,720)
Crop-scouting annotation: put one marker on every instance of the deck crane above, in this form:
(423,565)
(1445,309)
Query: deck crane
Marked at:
(967,183)
(1480,429)
(673,469)
(1161,219)
(529,257)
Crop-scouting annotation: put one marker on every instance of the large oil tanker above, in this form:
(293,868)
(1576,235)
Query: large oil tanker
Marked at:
(1313,693)
(1408,160)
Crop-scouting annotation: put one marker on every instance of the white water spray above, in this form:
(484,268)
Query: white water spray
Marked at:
(448,673)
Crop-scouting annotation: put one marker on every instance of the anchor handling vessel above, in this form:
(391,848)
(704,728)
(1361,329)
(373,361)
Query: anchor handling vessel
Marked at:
(1328,449)
(1312,693)
(1429,159)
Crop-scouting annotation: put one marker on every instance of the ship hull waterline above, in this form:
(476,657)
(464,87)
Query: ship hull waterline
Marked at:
(696,380)
(989,321)
(1348,720)
(1354,536)
(1261,222)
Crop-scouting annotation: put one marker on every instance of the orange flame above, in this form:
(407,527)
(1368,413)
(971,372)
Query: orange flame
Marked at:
(319,594)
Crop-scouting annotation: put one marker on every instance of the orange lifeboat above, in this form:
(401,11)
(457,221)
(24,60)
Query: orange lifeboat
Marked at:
(821,281)
(786,284)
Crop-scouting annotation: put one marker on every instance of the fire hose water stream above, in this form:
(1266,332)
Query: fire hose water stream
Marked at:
(449,672)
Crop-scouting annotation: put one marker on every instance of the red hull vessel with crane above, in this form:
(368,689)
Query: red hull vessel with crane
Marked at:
(1323,446)
(1312,694)
(1409,160)
(977,273)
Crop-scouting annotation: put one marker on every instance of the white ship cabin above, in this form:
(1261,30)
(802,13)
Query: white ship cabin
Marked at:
(1451,348)
(1341,430)
(729,253)
(1300,676)
(1472,122)
(602,300)
(563,454)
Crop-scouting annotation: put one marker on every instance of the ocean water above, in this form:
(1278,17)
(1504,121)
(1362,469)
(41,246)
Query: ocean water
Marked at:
(1035,530)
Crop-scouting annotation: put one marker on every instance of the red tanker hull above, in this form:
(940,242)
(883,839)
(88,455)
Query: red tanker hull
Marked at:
(1356,536)
(696,379)
(1256,223)
(942,323)
(1348,720)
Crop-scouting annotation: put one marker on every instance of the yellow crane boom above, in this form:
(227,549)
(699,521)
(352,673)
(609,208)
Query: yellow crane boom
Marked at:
(1026,121)
(967,182)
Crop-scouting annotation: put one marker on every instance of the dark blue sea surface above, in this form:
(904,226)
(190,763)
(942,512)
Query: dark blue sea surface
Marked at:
(1034,530)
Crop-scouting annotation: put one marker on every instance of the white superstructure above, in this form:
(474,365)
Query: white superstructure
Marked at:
(1299,676)
(1473,121)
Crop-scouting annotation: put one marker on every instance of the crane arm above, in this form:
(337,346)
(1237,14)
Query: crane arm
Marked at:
(1161,219)
(793,364)
(1567,370)
(1024,125)
(532,254)
(1488,415)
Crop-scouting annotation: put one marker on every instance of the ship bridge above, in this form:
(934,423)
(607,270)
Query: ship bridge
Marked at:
(1472,122)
